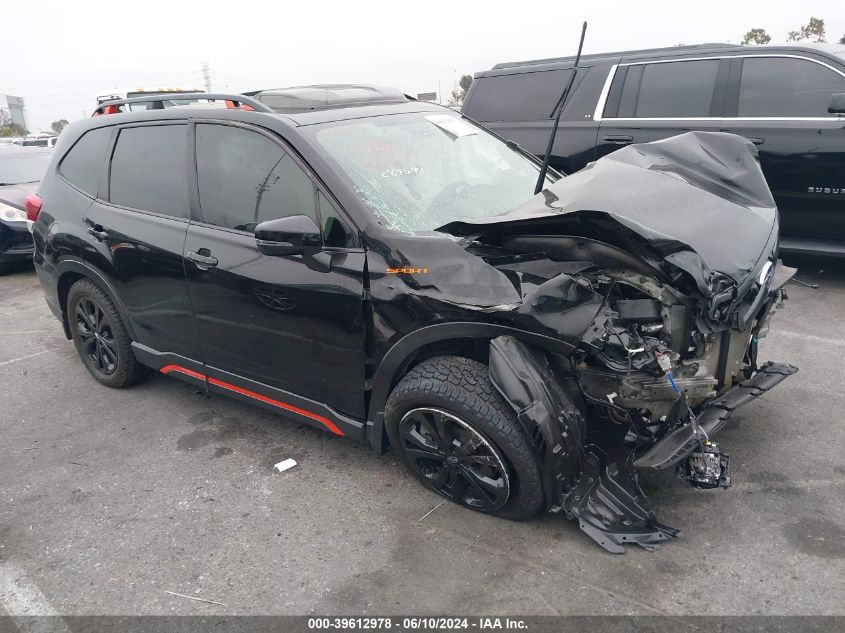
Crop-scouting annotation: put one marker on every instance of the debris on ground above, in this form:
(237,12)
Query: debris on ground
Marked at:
(432,510)
(182,595)
(285,465)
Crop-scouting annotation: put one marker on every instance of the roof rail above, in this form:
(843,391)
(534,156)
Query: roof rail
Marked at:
(552,60)
(158,100)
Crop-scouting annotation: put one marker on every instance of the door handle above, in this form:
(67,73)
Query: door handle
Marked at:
(618,139)
(203,258)
(756,140)
(97,233)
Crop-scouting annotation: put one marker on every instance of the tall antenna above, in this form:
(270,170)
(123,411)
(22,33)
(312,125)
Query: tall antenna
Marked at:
(206,75)
(563,97)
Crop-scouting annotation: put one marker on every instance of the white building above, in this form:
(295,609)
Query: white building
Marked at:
(12,109)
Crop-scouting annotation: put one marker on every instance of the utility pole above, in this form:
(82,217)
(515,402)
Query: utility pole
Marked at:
(206,75)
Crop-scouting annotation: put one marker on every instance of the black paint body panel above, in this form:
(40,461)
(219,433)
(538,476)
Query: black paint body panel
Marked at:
(803,159)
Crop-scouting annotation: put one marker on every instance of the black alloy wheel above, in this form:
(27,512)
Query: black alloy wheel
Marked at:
(100,336)
(454,459)
(97,336)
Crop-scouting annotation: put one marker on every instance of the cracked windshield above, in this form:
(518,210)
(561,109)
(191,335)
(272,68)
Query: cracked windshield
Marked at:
(417,172)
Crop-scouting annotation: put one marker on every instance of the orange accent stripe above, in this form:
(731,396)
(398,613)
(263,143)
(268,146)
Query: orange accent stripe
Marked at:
(182,370)
(257,396)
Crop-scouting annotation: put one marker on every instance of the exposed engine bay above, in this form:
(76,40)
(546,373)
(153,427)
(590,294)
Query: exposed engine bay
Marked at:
(663,308)
(651,382)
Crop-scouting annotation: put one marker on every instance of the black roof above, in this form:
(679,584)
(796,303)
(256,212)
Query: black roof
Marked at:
(553,63)
(327,97)
(299,105)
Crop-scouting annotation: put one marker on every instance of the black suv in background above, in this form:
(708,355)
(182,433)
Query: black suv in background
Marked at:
(378,267)
(787,100)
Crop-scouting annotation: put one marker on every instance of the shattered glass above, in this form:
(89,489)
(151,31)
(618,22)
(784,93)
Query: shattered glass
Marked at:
(416,172)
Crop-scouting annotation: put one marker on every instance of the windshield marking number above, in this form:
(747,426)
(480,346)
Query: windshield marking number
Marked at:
(401,171)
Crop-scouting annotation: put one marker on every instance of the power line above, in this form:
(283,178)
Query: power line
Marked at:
(111,80)
(28,94)
(28,106)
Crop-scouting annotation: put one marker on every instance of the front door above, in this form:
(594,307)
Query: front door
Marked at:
(286,331)
(655,100)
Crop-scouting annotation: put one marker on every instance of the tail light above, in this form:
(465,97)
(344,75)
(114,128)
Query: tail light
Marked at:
(33,207)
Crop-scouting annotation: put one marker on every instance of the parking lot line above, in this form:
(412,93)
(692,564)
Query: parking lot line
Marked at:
(20,598)
(15,360)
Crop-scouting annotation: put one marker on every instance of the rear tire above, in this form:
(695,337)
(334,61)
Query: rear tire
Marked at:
(100,336)
(456,434)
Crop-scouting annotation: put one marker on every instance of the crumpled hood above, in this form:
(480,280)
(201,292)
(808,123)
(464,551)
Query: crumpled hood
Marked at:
(697,200)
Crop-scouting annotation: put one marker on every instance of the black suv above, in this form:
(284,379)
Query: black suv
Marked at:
(788,100)
(378,267)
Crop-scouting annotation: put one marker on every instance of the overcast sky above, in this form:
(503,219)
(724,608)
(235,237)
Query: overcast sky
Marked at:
(59,55)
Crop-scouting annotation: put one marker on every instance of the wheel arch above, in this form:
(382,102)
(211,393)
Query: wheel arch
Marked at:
(72,270)
(459,338)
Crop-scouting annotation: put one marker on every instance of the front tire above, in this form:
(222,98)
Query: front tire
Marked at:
(459,438)
(100,336)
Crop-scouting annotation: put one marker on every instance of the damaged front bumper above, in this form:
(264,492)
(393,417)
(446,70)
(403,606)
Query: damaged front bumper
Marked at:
(712,417)
(593,483)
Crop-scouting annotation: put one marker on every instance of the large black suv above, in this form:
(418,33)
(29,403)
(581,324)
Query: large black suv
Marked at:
(378,267)
(788,100)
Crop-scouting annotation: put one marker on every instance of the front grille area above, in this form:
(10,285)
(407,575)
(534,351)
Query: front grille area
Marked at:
(21,239)
(14,241)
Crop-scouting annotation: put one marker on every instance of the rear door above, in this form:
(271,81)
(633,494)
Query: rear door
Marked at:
(780,102)
(283,330)
(136,234)
(520,106)
(648,101)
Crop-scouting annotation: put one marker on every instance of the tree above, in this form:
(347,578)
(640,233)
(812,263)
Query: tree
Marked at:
(814,30)
(842,40)
(756,36)
(460,93)
(12,129)
(7,127)
(59,125)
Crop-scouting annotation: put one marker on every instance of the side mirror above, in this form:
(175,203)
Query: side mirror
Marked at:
(837,103)
(292,235)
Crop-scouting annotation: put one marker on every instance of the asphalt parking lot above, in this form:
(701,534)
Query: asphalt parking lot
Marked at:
(110,499)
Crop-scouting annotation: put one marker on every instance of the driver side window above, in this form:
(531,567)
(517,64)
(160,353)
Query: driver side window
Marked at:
(244,179)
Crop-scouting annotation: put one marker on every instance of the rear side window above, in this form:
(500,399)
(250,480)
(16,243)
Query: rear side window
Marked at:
(83,164)
(519,97)
(786,87)
(149,170)
(245,178)
(674,89)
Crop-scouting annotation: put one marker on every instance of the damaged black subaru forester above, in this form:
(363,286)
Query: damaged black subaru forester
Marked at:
(378,267)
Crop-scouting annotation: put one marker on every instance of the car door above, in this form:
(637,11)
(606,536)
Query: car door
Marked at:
(648,101)
(136,231)
(284,330)
(780,102)
(521,106)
